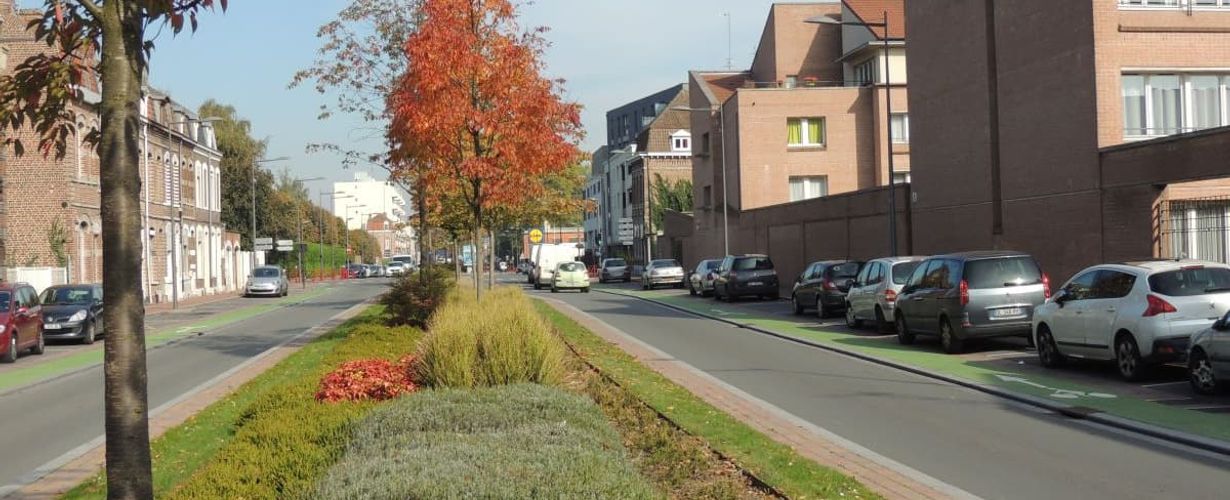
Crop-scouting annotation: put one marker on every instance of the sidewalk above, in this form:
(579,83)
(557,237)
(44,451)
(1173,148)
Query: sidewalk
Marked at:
(880,474)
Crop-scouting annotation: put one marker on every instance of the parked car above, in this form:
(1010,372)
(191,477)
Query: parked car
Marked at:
(269,281)
(971,295)
(570,275)
(397,269)
(745,276)
(1138,314)
(614,270)
(873,296)
(823,286)
(548,256)
(73,312)
(700,280)
(21,321)
(662,272)
(1208,360)
(357,270)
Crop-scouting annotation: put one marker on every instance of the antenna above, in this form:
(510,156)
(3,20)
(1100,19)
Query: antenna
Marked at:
(730,59)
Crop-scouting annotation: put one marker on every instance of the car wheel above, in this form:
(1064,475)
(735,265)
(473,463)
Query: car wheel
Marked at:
(948,338)
(585,290)
(1048,350)
(691,290)
(1127,358)
(10,354)
(1200,373)
(881,323)
(852,321)
(794,304)
(904,335)
(40,347)
(554,289)
(87,336)
(821,311)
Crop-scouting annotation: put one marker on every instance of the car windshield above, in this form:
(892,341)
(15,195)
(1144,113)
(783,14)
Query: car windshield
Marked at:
(67,296)
(616,263)
(903,270)
(265,272)
(755,264)
(1000,273)
(571,267)
(846,270)
(1197,280)
(665,263)
(4,301)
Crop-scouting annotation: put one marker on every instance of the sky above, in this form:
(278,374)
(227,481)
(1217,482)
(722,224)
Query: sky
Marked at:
(609,52)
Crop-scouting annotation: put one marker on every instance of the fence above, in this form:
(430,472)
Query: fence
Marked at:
(1195,229)
(38,277)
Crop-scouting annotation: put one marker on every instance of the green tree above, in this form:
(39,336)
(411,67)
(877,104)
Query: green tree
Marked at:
(240,151)
(669,195)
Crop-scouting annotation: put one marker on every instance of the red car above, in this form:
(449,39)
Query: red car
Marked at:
(21,321)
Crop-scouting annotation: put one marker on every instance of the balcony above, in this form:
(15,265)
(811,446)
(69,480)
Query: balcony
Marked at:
(1188,5)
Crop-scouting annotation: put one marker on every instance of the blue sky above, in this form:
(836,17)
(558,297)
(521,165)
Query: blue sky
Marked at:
(609,51)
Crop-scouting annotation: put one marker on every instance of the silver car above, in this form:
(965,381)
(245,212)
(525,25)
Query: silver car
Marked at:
(873,296)
(267,281)
(700,281)
(662,272)
(1208,359)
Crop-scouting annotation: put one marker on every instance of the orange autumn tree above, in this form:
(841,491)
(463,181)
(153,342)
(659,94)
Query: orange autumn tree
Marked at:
(474,112)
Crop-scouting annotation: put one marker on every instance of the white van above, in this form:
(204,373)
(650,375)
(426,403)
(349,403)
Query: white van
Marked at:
(547,257)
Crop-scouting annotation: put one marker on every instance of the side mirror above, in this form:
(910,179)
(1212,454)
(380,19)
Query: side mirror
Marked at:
(908,290)
(849,283)
(1220,325)
(1060,298)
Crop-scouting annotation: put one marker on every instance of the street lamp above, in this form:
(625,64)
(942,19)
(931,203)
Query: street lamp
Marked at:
(177,211)
(721,137)
(888,106)
(256,165)
(322,226)
(299,240)
(346,223)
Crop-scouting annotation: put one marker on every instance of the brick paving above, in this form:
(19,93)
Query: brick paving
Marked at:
(808,441)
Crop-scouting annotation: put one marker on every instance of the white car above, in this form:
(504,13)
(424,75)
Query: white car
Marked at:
(662,272)
(570,275)
(1136,313)
(396,269)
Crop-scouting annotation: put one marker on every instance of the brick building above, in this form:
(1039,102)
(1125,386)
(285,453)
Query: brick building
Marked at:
(807,120)
(663,151)
(393,237)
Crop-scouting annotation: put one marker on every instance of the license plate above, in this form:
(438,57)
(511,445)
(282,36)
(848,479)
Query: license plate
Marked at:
(52,326)
(755,283)
(1008,313)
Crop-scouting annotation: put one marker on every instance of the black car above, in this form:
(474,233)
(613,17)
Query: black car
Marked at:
(73,312)
(823,286)
(750,275)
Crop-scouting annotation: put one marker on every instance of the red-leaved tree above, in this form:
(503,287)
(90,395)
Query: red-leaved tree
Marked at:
(475,114)
(104,41)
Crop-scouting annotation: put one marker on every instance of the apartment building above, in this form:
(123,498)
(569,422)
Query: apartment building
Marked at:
(810,118)
(357,200)
(663,155)
(393,237)
(1080,130)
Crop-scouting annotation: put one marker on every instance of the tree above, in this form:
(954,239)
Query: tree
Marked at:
(474,110)
(240,151)
(669,195)
(104,41)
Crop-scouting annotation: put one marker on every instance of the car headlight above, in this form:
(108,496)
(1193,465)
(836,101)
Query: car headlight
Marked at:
(1,328)
(78,316)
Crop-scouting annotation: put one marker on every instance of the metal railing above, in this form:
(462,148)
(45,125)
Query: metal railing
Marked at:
(1194,229)
(1175,4)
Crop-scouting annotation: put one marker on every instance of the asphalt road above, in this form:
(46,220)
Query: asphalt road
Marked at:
(984,445)
(47,420)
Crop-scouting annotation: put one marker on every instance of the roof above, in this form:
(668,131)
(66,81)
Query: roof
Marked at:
(1170,264)
(656,137)
(724,85)
(983,254)
(872,11)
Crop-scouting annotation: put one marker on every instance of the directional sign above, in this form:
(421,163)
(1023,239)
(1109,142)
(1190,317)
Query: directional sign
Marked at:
(285,249)
(264,241)
(286,243)
(264,248)
(536,236)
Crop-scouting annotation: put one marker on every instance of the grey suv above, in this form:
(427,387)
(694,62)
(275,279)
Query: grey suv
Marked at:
(746,275)
(971,295)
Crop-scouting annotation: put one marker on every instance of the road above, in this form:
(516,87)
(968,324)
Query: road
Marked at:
(979,443)
(50,419)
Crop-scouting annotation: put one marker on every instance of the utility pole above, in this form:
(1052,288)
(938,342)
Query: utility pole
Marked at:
(730,57)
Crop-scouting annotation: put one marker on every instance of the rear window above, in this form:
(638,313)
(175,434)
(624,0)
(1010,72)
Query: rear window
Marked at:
(1189,282)
(902,271)
(5,298)
(665,263)
(616,263)
(847,270)
(1000,273)
(754,264)
(571,267)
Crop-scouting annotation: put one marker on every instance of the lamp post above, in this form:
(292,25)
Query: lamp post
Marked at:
(721,109)
(888,106)
(346,222)
(322,226)
(299,244)
(256,165)
(177,210)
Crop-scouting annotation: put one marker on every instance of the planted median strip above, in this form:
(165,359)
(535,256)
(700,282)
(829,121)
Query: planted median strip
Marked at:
(1082,398)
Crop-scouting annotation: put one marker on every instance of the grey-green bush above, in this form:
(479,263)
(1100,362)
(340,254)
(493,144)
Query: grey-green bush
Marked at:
(514,441)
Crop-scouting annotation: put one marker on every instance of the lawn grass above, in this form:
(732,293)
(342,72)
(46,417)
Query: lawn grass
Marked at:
(185,449)
(774,463)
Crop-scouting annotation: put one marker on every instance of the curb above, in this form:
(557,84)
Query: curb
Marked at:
(1154,431)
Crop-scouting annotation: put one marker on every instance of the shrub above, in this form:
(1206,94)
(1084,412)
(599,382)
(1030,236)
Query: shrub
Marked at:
(364,380)
(501,340)
(517,441)
(412,298)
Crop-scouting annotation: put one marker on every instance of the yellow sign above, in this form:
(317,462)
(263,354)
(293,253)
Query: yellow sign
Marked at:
(536,236)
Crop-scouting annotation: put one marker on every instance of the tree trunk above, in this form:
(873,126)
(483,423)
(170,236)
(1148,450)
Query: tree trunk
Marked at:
(422,203)
(491,260)
(126,416)
(456,260)
(477,234)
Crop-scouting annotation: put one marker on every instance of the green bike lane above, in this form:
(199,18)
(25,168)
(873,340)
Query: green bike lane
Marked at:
(163,329)
(1085,392)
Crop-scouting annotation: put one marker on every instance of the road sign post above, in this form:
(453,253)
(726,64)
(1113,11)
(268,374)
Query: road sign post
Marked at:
(536,236)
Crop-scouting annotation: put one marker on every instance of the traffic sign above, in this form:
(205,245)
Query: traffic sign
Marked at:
(536,236)
(285,249)
(264,241)
(286,243)
(264,248)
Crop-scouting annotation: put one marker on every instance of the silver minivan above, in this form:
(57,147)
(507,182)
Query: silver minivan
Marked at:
(971,295)
(873,296)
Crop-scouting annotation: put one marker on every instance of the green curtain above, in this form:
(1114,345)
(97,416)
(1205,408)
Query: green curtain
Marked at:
(815,131)
(794,131)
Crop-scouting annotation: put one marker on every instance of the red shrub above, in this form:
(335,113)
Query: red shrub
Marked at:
(368,379)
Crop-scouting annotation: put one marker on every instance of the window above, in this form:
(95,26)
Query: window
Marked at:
(681,142)
(1199,4)
(792,81)
(753,264)
(708,196)
(916,279)
(806,188)
(864,276)
(705,143)
(901,177)
(1081,287)
(902,271)
(805,132)
(867,72)
(999,273)
(1165,104)
(899,128)
(1191,281)
(1113,285)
